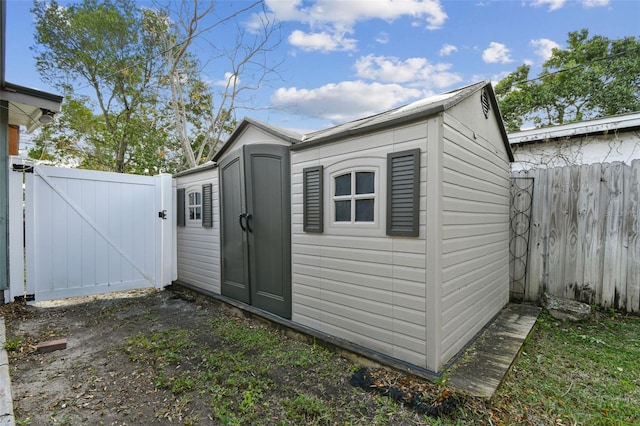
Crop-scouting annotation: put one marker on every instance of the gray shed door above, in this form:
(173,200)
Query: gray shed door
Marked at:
(235,256)
(257,237)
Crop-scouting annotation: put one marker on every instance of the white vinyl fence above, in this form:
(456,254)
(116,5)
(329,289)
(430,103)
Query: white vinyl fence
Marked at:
(80,232)
(583,234)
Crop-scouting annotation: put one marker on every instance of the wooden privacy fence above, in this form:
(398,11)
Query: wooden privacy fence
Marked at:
(582,233)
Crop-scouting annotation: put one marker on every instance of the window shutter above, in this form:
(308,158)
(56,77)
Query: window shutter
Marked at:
(181,207)
(403,193)
(207,205)
(312,199)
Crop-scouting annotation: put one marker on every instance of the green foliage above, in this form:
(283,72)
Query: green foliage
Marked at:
(308,409)
(592,77)
(134,97)
(13,344)
(576,373)
(100,55)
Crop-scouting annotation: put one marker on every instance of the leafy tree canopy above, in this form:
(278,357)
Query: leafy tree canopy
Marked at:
(592,77)
(135,100)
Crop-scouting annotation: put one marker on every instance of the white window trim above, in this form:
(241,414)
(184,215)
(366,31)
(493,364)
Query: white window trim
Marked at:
(353,196)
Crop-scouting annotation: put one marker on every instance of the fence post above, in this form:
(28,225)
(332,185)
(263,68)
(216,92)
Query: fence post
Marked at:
(174,229)
(164,266)
(16,232)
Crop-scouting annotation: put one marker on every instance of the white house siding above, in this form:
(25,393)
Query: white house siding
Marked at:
(355,282)
(199,247)
(475,226)
(582,149)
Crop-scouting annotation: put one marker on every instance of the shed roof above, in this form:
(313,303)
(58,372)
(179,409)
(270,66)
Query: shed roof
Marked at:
(626,122)
(278,132)
(404,114)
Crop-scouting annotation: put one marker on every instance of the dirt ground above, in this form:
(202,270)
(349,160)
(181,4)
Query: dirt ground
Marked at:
(100,379)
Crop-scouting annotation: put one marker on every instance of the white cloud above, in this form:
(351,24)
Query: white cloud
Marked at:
(228,79)
(350,12)
(543,47)
(415,72)
(496,52)
(447,49)
(382,38)
(333,19)
(321,41)
(558,4)
(344,101)
(595,3)
(553,4)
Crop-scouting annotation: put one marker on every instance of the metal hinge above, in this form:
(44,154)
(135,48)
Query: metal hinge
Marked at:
(25,168)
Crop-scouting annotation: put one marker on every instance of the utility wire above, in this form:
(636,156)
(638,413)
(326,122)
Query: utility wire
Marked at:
(583,65)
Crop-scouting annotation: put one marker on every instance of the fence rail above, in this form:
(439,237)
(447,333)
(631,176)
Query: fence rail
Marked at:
(583,241)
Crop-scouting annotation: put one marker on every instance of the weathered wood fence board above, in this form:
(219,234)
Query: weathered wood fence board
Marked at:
(584,241)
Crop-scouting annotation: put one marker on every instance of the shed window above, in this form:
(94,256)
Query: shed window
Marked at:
(195,205)
(354,197)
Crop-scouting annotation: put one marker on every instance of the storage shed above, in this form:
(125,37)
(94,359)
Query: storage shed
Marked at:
(390,232)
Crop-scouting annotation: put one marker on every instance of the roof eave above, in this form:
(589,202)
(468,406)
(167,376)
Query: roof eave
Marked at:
(265,127)
(405,119)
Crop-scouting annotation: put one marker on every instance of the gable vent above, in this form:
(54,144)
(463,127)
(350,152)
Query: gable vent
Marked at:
(486,106)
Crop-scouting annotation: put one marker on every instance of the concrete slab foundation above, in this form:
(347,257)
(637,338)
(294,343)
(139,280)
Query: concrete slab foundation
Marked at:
(483,367)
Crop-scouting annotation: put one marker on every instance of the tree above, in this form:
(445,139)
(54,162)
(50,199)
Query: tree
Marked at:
(135,96)
(201,115)
(101,56)
(592,77)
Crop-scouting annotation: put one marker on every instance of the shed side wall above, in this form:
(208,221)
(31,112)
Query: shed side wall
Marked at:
(475,234)
(199,247)
(353,281)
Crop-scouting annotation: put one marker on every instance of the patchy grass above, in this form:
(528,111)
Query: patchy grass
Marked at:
(567,373)
(178,358)
(576,373)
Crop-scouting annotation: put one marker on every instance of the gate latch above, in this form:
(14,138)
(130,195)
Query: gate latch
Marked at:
(162,214)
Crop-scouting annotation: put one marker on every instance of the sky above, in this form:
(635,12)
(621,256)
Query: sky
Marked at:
(340,60)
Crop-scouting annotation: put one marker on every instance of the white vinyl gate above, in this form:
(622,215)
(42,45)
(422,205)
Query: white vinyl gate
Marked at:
(88,232)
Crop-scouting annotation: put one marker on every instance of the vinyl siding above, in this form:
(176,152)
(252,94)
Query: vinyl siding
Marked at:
(355,282)
(475,227)
(199,247)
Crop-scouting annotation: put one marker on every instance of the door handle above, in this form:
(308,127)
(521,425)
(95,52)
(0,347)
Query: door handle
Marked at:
(240,220)
(248,220)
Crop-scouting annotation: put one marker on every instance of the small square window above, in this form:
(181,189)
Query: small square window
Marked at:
(365,182)
(354,197)
(195,206)
(364,210)
(343,211)
(343,185)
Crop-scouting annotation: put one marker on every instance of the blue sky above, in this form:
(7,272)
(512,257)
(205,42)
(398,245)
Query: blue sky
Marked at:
(346,59)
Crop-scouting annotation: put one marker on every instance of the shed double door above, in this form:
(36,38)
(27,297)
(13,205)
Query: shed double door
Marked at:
(256,227)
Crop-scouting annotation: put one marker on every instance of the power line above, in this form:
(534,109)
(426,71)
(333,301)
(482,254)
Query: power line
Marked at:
(584,65)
